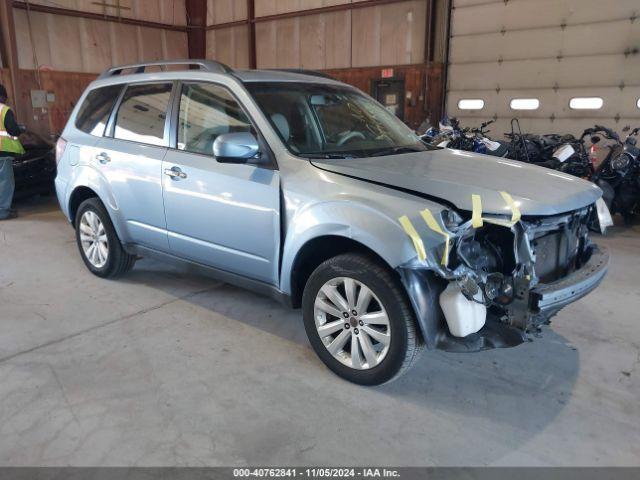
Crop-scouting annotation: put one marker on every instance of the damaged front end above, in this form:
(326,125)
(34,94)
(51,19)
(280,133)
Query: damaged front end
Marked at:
(494,281)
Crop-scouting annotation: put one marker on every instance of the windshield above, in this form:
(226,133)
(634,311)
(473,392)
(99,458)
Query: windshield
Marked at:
(329,121)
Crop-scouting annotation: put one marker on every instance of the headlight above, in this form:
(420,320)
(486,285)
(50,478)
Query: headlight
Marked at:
(604,215)
(621,162)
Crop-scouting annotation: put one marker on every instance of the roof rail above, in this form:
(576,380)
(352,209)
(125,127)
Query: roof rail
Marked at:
(206,65)
(302,71)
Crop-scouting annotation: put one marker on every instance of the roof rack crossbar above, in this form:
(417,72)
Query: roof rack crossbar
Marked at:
(206,65)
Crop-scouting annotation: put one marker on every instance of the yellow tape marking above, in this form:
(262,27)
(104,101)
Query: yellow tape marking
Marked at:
(433,225)
(415,238)
(515,211)
(476,216)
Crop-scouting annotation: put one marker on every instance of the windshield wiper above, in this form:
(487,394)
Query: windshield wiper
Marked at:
(330,155)
(395,151)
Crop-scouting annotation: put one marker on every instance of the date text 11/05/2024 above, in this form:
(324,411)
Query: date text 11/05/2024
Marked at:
(316,473)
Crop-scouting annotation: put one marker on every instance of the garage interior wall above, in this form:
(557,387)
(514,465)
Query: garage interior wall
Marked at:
(550,50)
(62,53)
(62,44)
(352,44)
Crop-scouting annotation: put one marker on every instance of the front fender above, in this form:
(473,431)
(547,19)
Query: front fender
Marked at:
(372,222)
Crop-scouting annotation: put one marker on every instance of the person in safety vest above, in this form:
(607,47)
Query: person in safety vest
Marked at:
(10,147)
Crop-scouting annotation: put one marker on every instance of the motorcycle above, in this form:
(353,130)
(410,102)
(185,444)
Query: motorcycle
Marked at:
(451,135)
(619,173)
(564,153)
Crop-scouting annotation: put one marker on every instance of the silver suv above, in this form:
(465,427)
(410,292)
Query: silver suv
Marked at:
(303,188)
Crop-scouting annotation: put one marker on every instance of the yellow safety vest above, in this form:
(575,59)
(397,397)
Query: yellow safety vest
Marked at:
(7,142)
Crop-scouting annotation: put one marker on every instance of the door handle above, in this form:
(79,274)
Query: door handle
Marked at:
(175,173)
(103,158)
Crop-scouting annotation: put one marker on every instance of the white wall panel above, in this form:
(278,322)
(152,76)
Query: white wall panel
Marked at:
(495,16)
(593,39)
(597,70)
(552,50)
(553,103)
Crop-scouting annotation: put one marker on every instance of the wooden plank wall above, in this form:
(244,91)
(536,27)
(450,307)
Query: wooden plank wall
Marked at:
(5,79)
(101,43)
(391,34)
(228,45)
(272,7)
(170,12)
(62,54)
(66,87)
(352,45)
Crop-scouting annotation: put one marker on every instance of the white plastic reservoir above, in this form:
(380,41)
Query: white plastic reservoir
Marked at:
(463,316)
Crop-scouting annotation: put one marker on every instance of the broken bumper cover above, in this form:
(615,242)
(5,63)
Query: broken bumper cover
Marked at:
(548,298)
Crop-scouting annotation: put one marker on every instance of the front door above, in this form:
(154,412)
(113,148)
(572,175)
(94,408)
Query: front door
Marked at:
(219,214)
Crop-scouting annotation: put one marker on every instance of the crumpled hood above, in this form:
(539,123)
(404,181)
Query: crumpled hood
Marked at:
(453,176)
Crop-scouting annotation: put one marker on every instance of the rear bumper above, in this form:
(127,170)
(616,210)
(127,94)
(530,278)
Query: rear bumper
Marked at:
(548,298)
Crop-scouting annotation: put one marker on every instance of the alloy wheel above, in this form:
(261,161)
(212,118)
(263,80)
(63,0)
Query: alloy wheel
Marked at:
(352,323)
(93,238)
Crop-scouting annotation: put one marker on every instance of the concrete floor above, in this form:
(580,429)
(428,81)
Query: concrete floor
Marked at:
(163,368)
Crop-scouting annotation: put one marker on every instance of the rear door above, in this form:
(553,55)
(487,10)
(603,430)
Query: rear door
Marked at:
(130,157)
(219,214)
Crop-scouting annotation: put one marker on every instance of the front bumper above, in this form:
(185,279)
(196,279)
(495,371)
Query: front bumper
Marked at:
(548,298)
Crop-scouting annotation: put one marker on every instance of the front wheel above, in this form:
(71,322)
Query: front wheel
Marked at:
(359,320)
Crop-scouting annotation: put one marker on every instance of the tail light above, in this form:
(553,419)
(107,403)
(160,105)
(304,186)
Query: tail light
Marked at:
(61,145)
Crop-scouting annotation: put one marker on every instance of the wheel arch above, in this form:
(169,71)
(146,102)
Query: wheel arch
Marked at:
(319,249)
(84,191)
(79,195)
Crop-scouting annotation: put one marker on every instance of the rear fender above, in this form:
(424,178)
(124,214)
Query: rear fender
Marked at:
(89,177)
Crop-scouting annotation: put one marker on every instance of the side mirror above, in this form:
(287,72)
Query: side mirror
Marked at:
(237,147)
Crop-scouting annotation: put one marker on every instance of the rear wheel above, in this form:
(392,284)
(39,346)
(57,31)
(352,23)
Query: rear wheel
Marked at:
(98,242)
(359,320)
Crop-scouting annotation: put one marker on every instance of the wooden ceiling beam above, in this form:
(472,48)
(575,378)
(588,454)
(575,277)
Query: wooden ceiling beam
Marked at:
(251,16)
(197,23)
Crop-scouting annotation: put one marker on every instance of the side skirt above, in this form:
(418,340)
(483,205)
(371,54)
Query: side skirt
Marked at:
(241,281)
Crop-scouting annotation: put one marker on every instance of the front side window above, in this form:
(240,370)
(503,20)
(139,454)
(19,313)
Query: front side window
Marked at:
(207,111)
(324,120)
(143,113)
(93,115)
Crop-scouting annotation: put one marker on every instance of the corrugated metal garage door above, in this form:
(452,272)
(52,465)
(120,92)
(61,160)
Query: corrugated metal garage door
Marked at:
(552,50)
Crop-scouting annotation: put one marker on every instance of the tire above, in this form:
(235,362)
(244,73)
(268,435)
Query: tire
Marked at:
(388,296)
(117,261)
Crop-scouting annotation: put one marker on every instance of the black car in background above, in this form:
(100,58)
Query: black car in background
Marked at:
(35,170)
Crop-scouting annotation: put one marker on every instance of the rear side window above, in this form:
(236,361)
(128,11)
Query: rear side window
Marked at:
(142,114)
(206,111)
(94,113)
